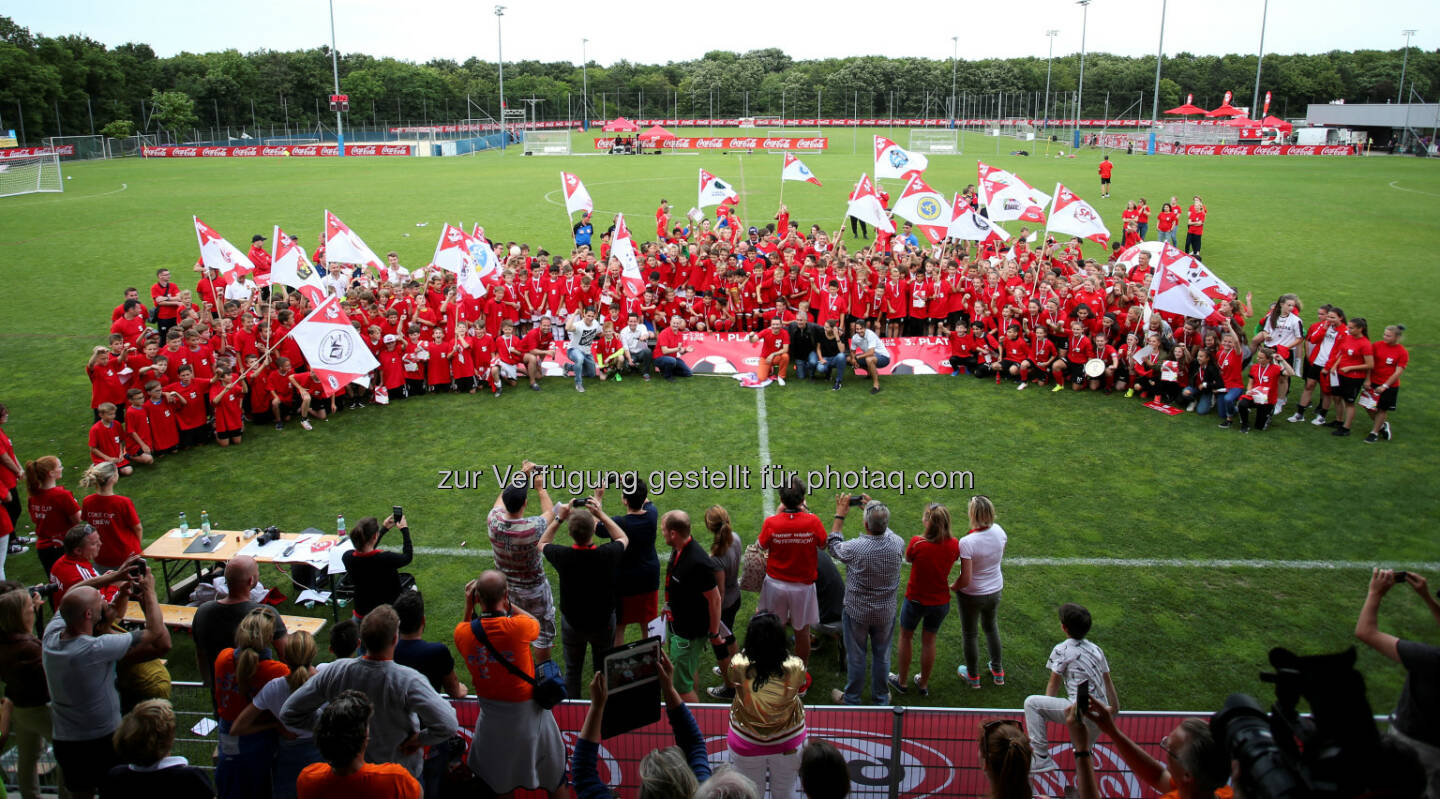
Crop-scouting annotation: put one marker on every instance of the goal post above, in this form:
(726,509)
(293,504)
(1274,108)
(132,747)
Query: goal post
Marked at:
(27,174)
(935,141)
(77,148)
(547,142)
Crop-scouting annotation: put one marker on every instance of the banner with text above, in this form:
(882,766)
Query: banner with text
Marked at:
(276,150)
(734,143)
(20,152)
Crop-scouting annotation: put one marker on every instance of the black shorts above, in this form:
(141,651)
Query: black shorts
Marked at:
(1349,388)
(289,408)
(1312,371)
(229,433)
(1005,365)
(1104,181)
(85,764)
(1075,371)
(1387,399)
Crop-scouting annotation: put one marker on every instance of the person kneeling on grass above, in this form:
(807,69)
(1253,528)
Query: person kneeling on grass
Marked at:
(107,444)
(1073,662)
(774,344)
(868,352)
(287,396)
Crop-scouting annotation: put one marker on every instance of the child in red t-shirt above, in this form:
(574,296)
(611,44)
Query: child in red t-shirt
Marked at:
(139,443)
(226,392)
(107,439)
(193,395)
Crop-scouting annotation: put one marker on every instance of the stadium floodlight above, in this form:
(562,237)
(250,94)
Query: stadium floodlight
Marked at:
(1404,62)
(1159,57)
(585,84)
(335,72)
(1080,93)
(1259,59)
(500,63)
(954,62)
(1051,34)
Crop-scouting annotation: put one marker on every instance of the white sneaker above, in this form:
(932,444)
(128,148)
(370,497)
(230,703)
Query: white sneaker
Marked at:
(1021,387)
(1298,416)
(781,381)
(1319,421)
(305,423)
(1280,403)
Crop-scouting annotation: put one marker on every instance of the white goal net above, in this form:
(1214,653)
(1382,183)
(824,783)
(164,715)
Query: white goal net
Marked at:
(26,174)
(77,148)
(935,141)
(547,142)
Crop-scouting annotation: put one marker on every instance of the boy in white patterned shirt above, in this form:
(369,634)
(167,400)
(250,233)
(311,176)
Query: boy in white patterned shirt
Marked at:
(1072,662)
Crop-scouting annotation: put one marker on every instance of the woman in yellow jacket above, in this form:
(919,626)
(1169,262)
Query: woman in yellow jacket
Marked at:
(767,715)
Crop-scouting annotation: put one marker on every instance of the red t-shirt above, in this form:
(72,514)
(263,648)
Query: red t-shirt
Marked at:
(192,414)
(164,427)
(168,290)
(227,408)
(67,572)
(392,367)
(1353,350)
(51,510)
(930,565)
(8,479)
(669,337)
(1166,221)
(1196,220)
(230,696)
(1388,358)
(131,329)
(1105,169)
(1080,349)
(108,438)
(137,423)
(380,780)
(282,386)
(1263,379)
(114,517)
(773,341)
(1231,368)
(792,538)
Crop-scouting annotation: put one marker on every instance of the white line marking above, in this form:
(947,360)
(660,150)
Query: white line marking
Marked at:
(124,186)
(744,199)
(453,551)
(1414,191)
(762,426)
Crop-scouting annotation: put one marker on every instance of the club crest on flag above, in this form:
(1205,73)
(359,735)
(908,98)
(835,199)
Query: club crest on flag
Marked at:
(929,209)
(898,158)
(335,347)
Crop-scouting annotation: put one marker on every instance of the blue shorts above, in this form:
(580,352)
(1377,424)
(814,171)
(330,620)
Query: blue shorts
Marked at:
(881,360)
(912,613)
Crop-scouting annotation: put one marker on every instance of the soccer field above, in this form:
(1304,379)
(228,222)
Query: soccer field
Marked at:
(1196,549)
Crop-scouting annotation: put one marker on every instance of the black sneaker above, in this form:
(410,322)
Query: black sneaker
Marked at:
(1225,425)
(1371,439)
(724,692)
(1244,428)
(1340,423)
(875,390)
(1341,431)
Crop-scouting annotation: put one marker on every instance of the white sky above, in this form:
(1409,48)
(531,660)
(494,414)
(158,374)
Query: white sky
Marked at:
(418,30)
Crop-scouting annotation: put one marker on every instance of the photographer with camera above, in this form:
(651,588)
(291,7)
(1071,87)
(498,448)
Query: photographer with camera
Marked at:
(80,672)
(587,583)
(76,567)
(375,573)
(1416,720)
(1195,767)
(515,539)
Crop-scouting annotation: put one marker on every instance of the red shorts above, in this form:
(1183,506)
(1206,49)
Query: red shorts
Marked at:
(638,609)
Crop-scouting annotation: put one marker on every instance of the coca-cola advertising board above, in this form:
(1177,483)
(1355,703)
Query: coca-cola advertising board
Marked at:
(278,151)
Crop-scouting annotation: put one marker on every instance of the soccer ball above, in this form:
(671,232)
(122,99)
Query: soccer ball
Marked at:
(514,249)
(913,366)
(715,364)
(284,153)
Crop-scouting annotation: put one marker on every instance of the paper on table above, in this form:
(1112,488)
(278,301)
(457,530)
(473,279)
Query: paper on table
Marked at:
(204,726)
(311,595)
(656,628)
(337,552)
(270,549)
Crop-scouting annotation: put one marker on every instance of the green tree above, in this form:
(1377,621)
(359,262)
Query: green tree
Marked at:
(118,129)
(173,111)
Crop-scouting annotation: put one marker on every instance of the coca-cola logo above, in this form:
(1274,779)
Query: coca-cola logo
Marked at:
(811,144)
(185,152)
(776,144)
(742,143)
(710,143)
(1234,150)
(1341,150)
(274,151)
(330,150)
(1302,150)
(304,149)
(1271,150)
(395,149)
(245,151)
(154,152)
(214,152)
(362,149)
(1201,149)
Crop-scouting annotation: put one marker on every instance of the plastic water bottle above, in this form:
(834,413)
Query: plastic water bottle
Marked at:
(184,526)
(340,525)
(205,523)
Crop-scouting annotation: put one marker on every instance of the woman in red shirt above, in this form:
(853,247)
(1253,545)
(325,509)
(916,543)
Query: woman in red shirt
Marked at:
(1165,224)
(112,516)
(1142,219)
(1391,360)
(1194,227)
(52,507)
(242,763)
(927,595)
(1261,381)
(1353,359)
(1231,375)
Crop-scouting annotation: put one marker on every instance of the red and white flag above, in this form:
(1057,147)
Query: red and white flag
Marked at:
(576,197)
(1226,101)
(865,206)
(487,264)
(925,207)
(894,161)
(1006,197)
(341,244)
(290,267)
(622,247)
(795,169)
(334,349)
(1183,285)
(1266,112)
(220,254)
(452,251)
(1074,216)
(967,225)
(713,190)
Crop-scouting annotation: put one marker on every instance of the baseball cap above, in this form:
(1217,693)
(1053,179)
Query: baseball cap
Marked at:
(389,339)
(754,229)
(256,237)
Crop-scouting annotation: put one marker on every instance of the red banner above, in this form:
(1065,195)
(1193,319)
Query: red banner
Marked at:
(17,152)
(731,353)
(735,143)
(936,754)
(276,150)
(1256,149)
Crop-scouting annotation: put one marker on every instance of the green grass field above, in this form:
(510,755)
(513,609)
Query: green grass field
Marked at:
(1072,476)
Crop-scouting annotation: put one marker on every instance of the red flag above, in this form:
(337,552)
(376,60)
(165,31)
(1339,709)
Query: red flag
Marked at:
(334,349)
(1266,112)
(623,248)
(220,254)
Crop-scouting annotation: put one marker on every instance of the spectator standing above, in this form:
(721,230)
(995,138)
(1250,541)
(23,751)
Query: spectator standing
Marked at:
(978,588)
(374,572)
(24,676)
(767,716)
(1072,662)
(52,508)
(112,515)
(872,570)
(297,746)
(725,549)
(143,742)
(637,581)
(693,598)
(342,734)
(516,743)
(792,536)
(927,598)
(216,621)
(587,585)
(243,762)
(80,672)
(408,713)
(515,539)
(434,661)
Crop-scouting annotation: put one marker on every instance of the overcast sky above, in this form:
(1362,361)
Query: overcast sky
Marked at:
(418,30)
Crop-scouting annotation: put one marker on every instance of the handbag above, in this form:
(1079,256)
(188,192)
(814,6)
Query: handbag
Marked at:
(548,683)
(752,567)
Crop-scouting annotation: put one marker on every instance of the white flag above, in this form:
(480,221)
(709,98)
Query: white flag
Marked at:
(1072,215)
(220,254)
(713,190)
(967,225)
(452,251)
(623,248)
(865,206)
(1183,285)
(893,161)
(341,244)
(334,348)
(290,267)
(1006,197)
(576,197)
(795,169)
(925,207)
(487,266)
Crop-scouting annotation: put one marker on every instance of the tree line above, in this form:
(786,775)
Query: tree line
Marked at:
(74,85)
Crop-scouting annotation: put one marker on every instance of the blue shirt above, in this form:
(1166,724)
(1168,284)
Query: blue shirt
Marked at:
(583,232)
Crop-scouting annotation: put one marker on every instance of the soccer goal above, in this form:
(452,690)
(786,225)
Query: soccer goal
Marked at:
(935,141)
(547,142)
(26,174)
(77,148)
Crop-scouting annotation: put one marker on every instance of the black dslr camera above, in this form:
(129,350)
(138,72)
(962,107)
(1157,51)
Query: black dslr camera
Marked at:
(271,533)
(44,590)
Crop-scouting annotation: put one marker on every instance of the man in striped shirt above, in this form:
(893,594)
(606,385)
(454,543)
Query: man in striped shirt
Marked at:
(872,585)
(515,538)
(1072,662)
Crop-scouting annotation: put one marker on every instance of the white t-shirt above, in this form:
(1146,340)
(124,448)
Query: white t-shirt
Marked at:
(272,697)
(81,674)
(1285,334)
(635,340)
(582,335)
(867,340)
(1078,661)
(984,549)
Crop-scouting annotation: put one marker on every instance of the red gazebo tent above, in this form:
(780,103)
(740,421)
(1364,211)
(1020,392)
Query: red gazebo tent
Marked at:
(1273,121)
(620,125)
(656,136)
(1188,109)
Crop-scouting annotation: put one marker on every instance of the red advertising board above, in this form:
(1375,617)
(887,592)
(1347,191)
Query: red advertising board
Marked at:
(17,152)
(276,150)
(1256,149)
(810,143)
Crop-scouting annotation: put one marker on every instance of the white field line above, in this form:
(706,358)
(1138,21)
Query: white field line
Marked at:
(762,426)
(124,186)
(744,199)
(1412,191)
(1144,563)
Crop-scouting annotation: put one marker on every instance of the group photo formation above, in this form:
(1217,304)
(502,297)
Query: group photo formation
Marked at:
(844,413)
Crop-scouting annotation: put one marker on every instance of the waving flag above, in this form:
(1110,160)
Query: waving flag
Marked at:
(795,169)
(1072,215)
(487,265)
(1266,112)
(1183,285)
(925,207)
(967,225)
(576,197)
(1006,197)
(220,254)
(341,244)
(452,251)
(290,267)
(334,349)
(865,206)
(893,161)
(713,190)
(623,248)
